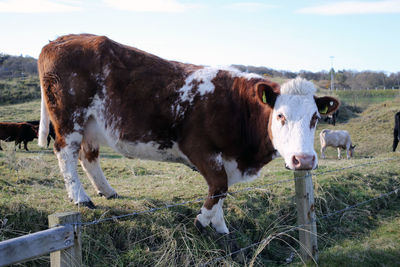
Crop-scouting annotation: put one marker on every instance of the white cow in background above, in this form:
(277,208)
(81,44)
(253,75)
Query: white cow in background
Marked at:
(336,138)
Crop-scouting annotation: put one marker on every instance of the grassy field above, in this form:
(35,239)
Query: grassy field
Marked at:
(363,98)
(31,188)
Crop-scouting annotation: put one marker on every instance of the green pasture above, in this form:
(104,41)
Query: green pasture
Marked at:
(31,188)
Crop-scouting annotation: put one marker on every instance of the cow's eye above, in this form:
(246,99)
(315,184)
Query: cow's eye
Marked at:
(281,117)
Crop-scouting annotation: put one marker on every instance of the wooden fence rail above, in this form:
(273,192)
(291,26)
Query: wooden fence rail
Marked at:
(62,241)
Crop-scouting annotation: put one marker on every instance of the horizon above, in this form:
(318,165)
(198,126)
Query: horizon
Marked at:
(281,35)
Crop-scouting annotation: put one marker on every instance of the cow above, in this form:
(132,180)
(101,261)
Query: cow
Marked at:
(396,131)
(52,134)
(18,132)
(225,123)
(331,118)
(336,138)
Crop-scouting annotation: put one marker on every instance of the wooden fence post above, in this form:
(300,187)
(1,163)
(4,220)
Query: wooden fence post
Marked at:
(306,218)
(73,255)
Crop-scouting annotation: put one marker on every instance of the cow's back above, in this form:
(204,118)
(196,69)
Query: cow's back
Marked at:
(7,131)
(335,138)
(136,90)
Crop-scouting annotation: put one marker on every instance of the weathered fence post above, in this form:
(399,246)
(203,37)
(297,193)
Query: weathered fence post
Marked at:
(71,256)
(306,218)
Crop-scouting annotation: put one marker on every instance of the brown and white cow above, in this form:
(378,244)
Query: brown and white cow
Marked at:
(225,123)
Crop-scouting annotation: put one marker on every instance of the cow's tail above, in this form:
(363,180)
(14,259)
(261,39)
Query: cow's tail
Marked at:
(44,121)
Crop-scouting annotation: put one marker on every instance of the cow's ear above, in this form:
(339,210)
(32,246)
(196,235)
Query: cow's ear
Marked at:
(267,92)
(326,104)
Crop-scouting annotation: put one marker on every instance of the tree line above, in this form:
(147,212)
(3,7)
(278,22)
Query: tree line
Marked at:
(17,66)
(20,66)
(343,79)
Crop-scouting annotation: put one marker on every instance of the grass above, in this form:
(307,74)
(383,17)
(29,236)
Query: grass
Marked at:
(31,188)
(363,98)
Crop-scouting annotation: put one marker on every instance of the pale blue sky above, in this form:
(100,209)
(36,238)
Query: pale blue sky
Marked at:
(285,35)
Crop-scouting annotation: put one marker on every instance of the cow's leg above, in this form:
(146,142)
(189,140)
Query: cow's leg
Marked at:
(67,150)
(215,175)
(25,145)
(323,148)
(338,153)
(48,141)
(395,140)
(89,159)
(0,146)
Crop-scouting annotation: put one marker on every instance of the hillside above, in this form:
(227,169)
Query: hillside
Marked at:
(19,81)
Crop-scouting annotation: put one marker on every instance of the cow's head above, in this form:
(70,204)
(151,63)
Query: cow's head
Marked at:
(351,150)
(294,117)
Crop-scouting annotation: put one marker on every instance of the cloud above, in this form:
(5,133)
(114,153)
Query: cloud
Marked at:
(353,7)
(38,6)
(158,6)
(249,6)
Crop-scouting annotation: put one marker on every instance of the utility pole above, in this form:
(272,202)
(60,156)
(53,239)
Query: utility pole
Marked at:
(332,83)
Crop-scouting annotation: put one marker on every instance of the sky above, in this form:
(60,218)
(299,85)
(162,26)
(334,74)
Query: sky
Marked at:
(280,34)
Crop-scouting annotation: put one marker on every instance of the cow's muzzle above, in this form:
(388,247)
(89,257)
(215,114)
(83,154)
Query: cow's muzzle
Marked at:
(303,162)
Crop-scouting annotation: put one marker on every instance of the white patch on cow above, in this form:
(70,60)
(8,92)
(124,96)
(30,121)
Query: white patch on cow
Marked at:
(67,160)
(234,72)
(151,150)
(106,127)
(214,216)
(187,93)
(44,122)
(295,137)
(235,175)
(74,74)
(204,76)
(75,116)
(217,161)
(106,71)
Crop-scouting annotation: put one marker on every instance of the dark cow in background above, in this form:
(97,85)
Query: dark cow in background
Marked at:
(225,123)
(396,131)
(52,133)
(18,132)
(331,118)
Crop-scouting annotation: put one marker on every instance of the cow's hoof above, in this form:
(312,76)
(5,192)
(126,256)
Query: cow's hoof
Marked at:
(113,196)
(199,226)
(220,229)
(110,197)
(89,204)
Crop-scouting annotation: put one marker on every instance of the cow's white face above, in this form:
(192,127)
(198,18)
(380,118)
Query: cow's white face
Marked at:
(293,123)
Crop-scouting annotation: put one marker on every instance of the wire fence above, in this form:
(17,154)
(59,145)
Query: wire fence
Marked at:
(201,199)
(273,236)
(265,241)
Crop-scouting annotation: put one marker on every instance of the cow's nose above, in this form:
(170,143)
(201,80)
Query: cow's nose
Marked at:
(303,162)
